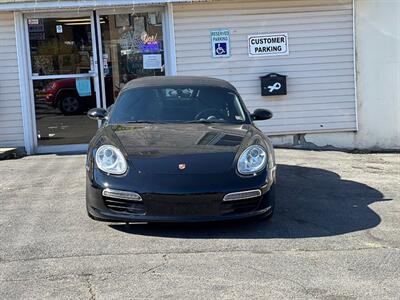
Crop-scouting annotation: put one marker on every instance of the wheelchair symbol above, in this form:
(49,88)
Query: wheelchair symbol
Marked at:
(220,49)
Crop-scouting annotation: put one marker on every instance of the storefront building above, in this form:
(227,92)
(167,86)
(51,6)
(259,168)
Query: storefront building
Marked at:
(330,68)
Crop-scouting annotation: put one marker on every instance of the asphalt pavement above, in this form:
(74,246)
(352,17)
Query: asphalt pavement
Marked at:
(335,235)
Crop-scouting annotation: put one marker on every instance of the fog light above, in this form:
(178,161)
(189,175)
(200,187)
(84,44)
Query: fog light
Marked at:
(242,195)
(125,195)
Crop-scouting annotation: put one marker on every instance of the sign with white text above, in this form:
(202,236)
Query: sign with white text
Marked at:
(220,43)
(268,44)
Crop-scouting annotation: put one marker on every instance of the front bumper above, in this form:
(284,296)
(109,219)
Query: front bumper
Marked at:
(177,208)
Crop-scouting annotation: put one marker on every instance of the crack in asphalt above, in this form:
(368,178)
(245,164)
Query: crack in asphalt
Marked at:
(58,278)
(4,261)
(308,291)
(157,266)
(373,237)
(92,291)
(275,276)
(87,279)
(153,268)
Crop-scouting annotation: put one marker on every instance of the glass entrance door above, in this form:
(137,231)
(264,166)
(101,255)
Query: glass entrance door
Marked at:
(65,86)
(81,62)
(131,47)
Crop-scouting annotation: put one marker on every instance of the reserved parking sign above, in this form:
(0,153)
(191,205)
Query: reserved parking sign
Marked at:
(268,44)
(220,43)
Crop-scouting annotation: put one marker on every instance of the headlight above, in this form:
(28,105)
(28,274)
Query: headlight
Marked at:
(252,160)
(110,160)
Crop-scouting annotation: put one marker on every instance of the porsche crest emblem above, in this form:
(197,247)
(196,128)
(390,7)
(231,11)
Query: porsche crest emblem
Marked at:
(182,166)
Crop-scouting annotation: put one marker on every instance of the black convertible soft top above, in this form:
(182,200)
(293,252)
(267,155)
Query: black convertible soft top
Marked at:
(161,81)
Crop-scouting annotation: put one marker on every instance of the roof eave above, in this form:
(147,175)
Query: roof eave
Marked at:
(84,4)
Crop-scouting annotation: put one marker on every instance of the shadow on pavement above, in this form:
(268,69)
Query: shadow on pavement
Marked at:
(310,203)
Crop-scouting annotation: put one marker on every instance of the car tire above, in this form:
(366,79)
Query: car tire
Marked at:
(69,104)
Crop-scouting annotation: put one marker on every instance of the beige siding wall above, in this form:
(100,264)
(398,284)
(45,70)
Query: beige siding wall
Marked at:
(320,66)
(378,79)
(11,129)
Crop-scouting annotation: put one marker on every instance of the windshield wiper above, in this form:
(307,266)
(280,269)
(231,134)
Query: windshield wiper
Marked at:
(204,121)
(187,122)
(144,122)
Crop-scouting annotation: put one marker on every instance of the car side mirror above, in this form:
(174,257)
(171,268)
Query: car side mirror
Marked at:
(261,114)
(97,114)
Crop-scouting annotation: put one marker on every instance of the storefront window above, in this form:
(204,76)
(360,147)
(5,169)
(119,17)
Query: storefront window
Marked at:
(64,75)
(132,48)
(60,45)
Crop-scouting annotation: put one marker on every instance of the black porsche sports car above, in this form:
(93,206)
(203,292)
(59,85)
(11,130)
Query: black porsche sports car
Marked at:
(179,149)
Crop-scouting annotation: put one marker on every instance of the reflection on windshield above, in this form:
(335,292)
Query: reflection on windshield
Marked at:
(184,104)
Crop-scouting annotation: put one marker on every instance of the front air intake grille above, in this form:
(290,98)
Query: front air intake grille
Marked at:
(125,206)
(240,206)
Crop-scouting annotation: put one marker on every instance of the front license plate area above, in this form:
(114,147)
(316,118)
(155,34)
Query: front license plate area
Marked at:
(181,206)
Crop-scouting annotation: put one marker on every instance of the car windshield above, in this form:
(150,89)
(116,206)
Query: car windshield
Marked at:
(183,104)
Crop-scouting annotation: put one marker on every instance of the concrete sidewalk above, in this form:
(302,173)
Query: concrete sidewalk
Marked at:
(335,235)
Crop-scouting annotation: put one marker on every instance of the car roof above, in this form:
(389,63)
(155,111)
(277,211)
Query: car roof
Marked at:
(170,81)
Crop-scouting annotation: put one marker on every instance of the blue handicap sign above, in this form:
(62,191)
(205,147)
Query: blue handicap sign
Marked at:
(220,48)
(220,41)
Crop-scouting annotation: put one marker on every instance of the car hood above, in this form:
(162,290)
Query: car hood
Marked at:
(202,148)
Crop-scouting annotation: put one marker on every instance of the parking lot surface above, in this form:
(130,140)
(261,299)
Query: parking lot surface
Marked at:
(335,235)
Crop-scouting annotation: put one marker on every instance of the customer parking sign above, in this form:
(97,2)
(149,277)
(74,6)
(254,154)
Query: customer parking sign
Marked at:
(220,43)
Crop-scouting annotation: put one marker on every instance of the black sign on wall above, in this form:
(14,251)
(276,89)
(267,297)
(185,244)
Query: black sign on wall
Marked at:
(273,84)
